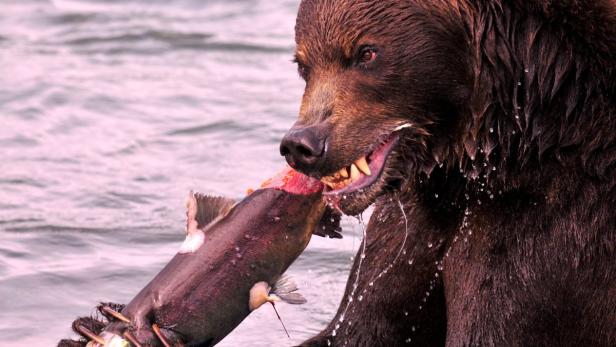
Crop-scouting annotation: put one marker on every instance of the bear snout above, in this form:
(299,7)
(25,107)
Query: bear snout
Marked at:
(304,148)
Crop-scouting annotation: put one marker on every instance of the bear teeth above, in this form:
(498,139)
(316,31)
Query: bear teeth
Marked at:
(348,175)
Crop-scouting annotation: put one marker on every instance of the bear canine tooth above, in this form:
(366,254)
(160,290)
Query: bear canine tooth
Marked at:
(362,165)
(354,173)
(405,125)
(344,173)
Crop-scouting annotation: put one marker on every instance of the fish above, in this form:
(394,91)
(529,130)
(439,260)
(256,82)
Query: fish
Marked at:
(232,262)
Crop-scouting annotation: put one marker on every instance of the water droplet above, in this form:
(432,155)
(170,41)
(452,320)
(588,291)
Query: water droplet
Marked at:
(406,313)
(337,326)
(491,196)
(413,328)
(344,197)
(408,340)
(513,132)
(333,332)
(350,298)
(276,219)
(411,261)
(237,248)
(436,196)
(363,255)
(360,297)
(430,245)
(436,274)
(519,83)
(526,70)
(329,343)
(371,284)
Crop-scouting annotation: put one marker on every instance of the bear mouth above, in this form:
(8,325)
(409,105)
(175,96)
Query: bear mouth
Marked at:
(354,187)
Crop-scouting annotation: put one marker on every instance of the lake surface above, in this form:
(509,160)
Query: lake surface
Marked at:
(110,112)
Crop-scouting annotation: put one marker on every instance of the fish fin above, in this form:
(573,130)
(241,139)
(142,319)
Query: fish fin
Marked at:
(292,298)
(329,225)
(202,210)
(286,289)
(205,208)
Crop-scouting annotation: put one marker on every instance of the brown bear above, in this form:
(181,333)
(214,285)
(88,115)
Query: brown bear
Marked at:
(484,133)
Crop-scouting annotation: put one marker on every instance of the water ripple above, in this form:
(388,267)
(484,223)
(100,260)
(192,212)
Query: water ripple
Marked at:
(111,111)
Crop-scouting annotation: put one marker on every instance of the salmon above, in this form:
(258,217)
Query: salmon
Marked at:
(232,261)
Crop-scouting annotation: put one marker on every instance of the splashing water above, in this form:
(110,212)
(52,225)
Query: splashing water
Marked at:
(357,273)
(361,259)
(402,246)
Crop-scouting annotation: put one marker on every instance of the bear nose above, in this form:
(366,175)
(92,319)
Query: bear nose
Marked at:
(303,147)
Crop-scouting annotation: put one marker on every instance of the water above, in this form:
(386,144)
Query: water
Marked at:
(110,111)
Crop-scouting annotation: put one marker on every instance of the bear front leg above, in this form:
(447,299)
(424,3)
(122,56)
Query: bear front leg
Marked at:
(394,295)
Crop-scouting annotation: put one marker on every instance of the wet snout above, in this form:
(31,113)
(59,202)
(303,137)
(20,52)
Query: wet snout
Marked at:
(304,147)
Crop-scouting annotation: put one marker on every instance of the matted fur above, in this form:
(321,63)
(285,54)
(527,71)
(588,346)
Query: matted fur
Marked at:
(507,177)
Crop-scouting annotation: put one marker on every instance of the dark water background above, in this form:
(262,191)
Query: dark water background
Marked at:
(110,111)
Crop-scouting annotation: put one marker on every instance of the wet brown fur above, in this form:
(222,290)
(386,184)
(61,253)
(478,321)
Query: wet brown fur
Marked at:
(513,106)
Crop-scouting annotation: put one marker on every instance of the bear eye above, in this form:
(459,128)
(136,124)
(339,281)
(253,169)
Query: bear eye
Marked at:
(367,55)
(302,69)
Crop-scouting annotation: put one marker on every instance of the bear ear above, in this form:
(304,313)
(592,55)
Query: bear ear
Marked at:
(329,225)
